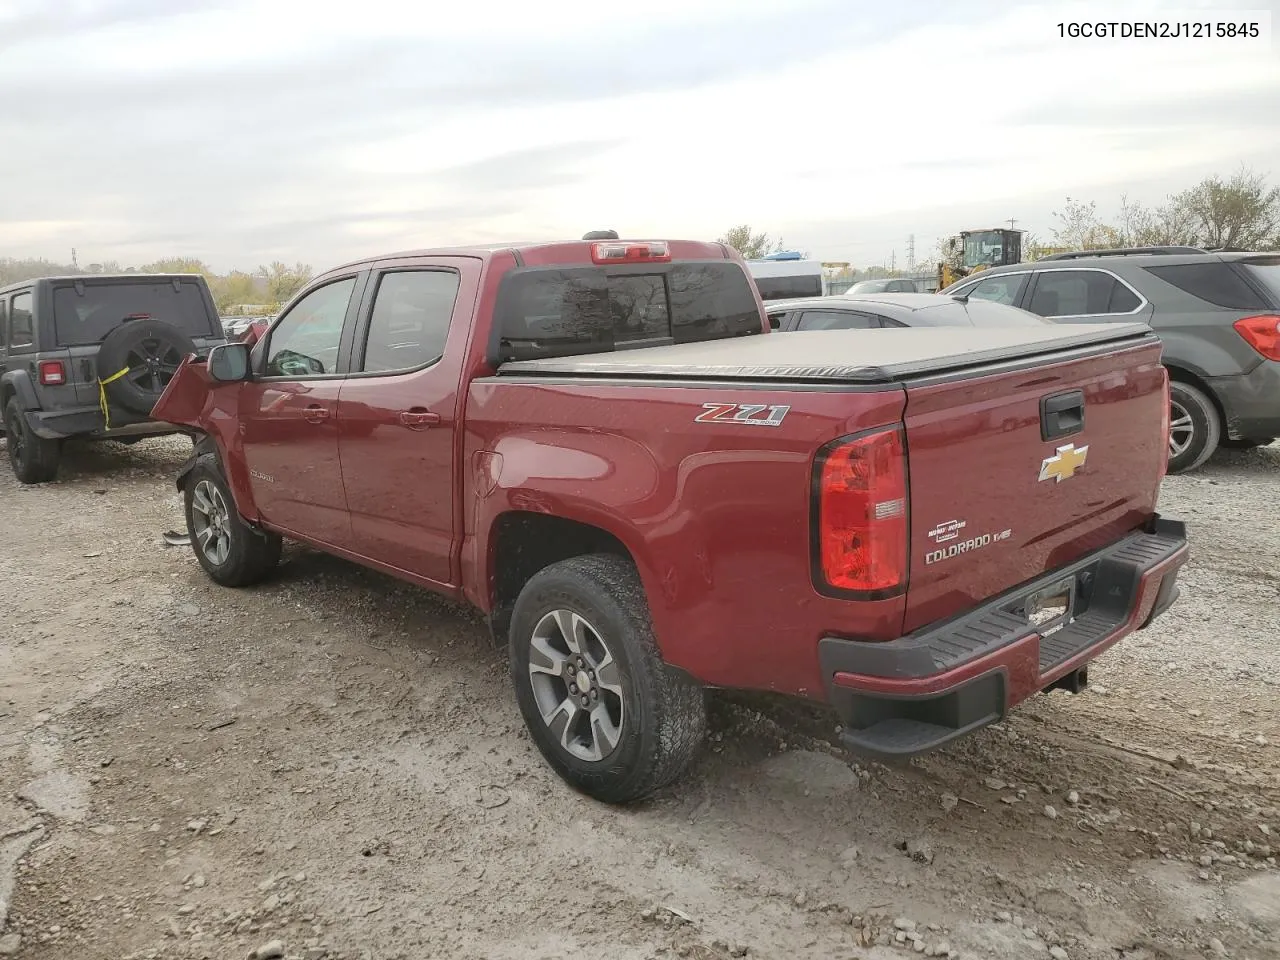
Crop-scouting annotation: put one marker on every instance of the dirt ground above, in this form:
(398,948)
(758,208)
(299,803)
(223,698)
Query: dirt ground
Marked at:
(332,765)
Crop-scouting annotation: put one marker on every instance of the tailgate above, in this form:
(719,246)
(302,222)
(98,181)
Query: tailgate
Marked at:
(1016,473)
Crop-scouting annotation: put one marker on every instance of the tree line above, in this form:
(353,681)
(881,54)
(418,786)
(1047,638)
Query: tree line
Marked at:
(1238,213)
(263,290)
(1241,212)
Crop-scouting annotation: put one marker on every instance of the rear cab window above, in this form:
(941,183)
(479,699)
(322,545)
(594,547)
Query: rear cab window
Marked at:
(564,311)
(836,320)
(84,312)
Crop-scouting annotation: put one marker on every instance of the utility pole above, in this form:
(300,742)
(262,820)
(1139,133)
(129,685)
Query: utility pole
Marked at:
(893,261)
(74,262)
(1011,223)
(911,253)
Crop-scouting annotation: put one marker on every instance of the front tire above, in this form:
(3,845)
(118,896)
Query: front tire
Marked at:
(1194,427)
(34,459)
(608,715)
(231,552)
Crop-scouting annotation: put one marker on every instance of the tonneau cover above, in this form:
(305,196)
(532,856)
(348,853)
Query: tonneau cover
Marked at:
(857,356)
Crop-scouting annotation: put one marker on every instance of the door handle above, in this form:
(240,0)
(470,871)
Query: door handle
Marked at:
(315,413)
(418,419)
(1061,415)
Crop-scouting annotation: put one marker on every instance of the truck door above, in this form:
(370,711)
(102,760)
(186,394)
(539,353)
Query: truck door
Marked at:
(399,413)
(288,416)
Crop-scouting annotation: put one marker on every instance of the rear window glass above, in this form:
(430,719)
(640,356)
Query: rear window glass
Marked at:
(1267,274)
(985,313)
(1215,282)
(560,312)
(89,313)
(788,288)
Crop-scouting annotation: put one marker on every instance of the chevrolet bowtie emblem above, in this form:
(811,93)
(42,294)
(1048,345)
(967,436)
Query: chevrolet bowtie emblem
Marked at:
(1063,464)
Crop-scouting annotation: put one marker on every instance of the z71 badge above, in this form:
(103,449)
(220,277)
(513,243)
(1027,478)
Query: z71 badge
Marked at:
(746,413)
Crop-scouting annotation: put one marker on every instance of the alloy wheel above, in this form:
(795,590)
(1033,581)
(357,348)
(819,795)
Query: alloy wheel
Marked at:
(577,685)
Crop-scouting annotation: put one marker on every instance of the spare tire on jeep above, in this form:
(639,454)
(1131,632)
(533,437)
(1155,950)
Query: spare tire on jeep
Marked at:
(151,351)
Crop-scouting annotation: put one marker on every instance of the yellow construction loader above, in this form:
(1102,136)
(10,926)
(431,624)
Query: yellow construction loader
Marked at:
(975,250)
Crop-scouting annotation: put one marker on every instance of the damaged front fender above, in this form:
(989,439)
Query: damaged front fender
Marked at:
(184,400)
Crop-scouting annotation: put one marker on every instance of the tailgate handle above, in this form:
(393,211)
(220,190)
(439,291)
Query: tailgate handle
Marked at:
(1061,414)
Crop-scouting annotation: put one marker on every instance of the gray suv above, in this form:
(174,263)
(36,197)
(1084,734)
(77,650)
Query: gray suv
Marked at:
(1218,315)
(89,356)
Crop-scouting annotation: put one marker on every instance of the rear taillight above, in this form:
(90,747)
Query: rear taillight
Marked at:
(630,251)
(860,524)
(52,373)
(1261,333)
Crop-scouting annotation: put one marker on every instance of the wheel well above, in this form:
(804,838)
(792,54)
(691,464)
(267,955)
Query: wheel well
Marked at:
(1189,378)
(524,543)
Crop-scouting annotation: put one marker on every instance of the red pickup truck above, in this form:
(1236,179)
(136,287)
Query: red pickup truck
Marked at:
(602,446)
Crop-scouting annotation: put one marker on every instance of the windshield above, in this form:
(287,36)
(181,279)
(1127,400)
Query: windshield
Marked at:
(983,249)
(86,312)
(870,286)
(556,312)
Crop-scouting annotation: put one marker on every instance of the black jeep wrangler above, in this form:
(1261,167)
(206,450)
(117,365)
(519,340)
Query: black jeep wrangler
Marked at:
(89,356)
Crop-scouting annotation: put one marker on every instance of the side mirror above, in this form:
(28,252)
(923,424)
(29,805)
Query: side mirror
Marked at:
(229,362)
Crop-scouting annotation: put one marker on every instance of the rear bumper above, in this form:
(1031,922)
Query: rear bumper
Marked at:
(914,694)
(89,422)
(1251,402)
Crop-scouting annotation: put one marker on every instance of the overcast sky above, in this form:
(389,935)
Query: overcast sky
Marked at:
(243,131)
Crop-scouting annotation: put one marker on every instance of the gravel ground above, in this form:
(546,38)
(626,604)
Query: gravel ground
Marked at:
(332,765)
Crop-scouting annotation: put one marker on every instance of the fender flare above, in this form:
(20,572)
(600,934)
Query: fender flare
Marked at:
(18,383)
(203,444)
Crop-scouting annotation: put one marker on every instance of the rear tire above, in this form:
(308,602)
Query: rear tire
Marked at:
(608,715)
(34,459)
(1194,427)
(231,552)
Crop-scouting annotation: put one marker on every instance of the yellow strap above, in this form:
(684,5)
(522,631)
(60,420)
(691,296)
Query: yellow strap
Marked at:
(102,396)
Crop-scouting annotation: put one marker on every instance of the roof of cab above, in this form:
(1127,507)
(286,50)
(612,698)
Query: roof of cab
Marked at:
(98,277)
(546,253)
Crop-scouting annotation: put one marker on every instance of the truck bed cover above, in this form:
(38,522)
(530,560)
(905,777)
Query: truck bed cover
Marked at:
(847,356)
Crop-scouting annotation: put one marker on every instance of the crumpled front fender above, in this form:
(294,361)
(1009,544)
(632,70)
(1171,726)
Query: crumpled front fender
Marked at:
(186,397)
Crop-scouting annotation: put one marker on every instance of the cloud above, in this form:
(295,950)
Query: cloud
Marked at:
(242,131)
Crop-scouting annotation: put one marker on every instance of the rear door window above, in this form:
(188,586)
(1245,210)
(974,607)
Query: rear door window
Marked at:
(544,312)
(410,321)
(21,328)
(1004,289)
(836,320)
(1080,293)
(85,312)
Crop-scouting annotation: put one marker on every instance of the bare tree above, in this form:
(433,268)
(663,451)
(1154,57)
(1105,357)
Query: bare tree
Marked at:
(1241,213)
(751,245)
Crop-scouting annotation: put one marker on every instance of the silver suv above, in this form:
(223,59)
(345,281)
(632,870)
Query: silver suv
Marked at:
(89,356)
(1218,315)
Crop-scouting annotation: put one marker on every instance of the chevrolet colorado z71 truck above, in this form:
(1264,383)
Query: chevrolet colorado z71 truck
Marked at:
(602,447)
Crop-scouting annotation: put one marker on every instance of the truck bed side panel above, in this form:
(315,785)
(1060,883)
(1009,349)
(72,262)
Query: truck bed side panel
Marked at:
(715,514)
